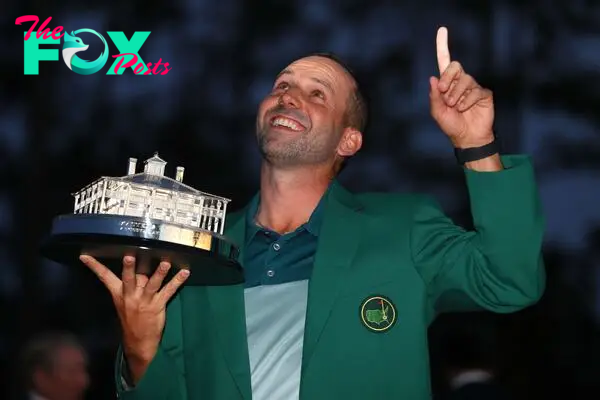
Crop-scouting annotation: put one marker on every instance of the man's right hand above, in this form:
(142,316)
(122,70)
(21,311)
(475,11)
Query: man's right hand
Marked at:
(141,306)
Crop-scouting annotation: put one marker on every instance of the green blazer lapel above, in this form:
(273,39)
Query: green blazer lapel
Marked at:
(235,229)
(338,240)
(229,317)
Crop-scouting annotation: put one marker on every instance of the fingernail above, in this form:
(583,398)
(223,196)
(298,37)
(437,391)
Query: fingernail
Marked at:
(185,273)
(164,266)
(84,258)
(128,259)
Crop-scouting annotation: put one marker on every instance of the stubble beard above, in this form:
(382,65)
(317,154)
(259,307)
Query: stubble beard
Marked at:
(304,149)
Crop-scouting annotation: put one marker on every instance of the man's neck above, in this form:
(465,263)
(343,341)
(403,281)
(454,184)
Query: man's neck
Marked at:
(289,197)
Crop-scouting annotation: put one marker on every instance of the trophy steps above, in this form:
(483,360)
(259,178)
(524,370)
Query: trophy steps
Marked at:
(211,258)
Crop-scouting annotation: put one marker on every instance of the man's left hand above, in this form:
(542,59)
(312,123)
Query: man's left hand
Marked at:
(461,107)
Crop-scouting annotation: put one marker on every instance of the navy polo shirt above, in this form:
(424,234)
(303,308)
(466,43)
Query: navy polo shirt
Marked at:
(271,258)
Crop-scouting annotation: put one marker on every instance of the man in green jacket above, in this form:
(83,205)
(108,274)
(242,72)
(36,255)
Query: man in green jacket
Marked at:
(340,288)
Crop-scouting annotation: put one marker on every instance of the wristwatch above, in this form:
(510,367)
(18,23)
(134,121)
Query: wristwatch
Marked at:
(476,153)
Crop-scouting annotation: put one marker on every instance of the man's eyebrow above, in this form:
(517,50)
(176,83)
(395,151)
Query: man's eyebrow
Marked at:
(324,83)
(284,72)
(320,81)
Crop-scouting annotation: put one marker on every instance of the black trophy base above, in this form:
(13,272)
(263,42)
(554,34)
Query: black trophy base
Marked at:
(214,267)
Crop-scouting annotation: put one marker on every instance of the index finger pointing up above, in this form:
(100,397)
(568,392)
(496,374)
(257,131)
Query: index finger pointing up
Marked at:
(443,53)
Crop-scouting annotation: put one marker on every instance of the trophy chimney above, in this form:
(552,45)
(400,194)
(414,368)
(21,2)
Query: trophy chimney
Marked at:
(179,174)
(132,164)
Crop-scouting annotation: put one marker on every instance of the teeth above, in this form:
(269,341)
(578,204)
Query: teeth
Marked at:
(287,123)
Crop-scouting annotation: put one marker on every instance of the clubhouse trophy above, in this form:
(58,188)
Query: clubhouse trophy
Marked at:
(151,217)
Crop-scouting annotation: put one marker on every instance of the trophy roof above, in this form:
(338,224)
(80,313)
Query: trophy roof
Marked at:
(162,182)
(155,159)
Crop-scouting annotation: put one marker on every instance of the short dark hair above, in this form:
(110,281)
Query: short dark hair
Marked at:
(356,115)
(40,353)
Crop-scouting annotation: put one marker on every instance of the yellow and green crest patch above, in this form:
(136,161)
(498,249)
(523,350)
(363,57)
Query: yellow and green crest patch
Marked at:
(378,313)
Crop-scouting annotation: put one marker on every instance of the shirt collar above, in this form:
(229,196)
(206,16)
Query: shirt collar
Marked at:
(313,225)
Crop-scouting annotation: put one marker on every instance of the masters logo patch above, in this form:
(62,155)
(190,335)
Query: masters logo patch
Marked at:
(377,313)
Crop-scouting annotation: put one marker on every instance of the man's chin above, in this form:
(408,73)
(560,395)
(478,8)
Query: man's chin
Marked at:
(276,153)
(274,140)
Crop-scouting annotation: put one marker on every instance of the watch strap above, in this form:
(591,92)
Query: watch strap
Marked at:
(476,153)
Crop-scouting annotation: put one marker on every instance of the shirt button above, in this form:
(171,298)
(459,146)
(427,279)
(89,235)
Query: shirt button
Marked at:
(276,246)
(270,273)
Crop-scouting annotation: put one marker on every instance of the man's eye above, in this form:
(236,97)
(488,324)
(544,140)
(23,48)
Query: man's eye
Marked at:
(283,86)
(318,94)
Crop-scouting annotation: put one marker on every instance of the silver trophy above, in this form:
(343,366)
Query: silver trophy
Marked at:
(152,217)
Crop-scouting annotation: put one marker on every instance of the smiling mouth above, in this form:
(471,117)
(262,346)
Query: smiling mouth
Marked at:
(279,121)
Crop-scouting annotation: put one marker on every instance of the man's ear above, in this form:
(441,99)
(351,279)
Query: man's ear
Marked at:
(350,143)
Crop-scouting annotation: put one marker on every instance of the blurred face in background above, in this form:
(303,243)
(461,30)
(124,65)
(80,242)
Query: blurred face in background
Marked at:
(301,122)
(67,378)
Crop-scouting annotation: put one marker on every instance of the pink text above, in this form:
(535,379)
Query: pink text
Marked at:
(140,67)
(42,29)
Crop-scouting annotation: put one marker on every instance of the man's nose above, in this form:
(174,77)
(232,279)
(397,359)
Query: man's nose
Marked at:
(289,99)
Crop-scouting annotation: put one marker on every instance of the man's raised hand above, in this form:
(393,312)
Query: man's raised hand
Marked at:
(461,107)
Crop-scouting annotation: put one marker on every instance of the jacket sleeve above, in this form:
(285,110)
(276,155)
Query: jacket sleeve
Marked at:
(498,266)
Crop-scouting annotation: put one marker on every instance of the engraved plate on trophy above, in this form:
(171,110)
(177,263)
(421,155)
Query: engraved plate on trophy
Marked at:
(152,217)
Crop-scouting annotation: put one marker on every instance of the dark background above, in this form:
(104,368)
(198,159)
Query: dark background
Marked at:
(59,131)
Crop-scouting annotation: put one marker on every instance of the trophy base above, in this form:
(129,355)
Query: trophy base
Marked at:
(212,265)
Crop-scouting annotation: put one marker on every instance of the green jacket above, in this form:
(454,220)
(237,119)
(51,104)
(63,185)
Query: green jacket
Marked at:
(400,247)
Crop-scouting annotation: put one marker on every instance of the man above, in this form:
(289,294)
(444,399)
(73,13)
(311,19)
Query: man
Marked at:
(55,368)
(340,288)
